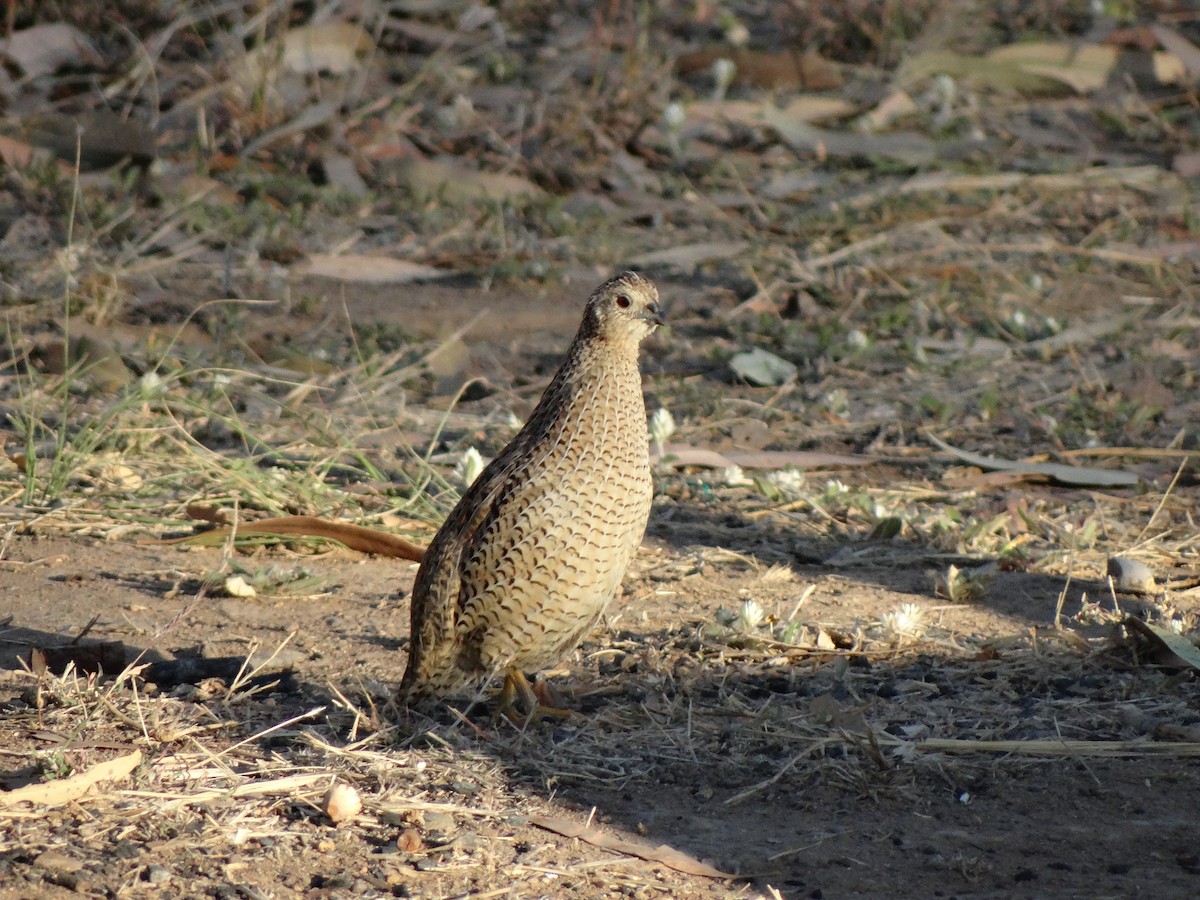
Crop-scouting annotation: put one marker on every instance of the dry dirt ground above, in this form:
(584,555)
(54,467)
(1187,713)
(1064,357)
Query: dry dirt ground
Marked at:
(852,758)
(848,661)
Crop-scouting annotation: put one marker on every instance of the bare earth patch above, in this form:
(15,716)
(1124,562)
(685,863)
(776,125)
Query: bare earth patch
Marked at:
(932,363)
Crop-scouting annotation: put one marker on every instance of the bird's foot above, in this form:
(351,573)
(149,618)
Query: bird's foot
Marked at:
(524,704)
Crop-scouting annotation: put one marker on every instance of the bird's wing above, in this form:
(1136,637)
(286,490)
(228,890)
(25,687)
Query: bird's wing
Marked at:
(436,595)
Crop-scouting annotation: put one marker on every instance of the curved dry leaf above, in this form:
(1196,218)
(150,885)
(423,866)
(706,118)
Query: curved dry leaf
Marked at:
(1085,67)
(1130,575)
(368,269)
(761,367)
(56,793)
(749,113)
(325,47)
(1172,41)
(688,256)
(1077,476)
(44,49)
(679,455)
(429,179)
(661,853)
(1186,653)
(903,146)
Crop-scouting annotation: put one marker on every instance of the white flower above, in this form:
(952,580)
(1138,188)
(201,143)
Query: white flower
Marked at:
(152,384)
(857,339)
(723,71)
(469,467)
(906,620)
(837,401)
(662,426)
(835,488)
(788,480)
(735,477)
(750,616)
(674,117)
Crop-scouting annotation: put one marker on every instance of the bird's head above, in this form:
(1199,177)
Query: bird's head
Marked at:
(624,309)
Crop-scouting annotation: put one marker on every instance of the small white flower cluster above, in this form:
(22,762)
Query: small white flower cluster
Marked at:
(788,481)
(733,476)
(750,616)
(835,488)
(906,620)
(746,620)
(662,426)
(674,117)
(857,339)
(837,401)
(469,467)
(723,72)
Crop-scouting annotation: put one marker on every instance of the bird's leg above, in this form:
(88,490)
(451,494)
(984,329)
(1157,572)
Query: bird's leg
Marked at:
(519,701)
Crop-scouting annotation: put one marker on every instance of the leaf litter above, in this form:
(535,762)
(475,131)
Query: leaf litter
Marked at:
(946,230)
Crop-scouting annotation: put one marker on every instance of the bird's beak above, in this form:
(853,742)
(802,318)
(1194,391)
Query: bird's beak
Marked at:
(654,315)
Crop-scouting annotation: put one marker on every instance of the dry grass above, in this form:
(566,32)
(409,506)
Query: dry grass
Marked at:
(792,643)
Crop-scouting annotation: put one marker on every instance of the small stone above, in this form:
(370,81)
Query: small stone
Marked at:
(157,875)
(1130,576)
(440,827)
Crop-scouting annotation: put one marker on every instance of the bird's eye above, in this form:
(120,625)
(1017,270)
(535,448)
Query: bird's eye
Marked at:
(623,301)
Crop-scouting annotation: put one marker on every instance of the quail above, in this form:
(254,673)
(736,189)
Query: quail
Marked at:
(527,561)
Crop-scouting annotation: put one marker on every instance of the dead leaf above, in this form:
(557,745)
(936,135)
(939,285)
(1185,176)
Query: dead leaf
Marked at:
(328,46)
(15,154)
(1180,652)
(341,172)
(107,656)
(410,841)
(96,358)
(749,113)
(1184,50)
(238,586)
(750,433)
(1186,165)
(1040,68)
(368,269)
(204,513)
(1063,474)
(689,256)
(1130,575)
(66,790)
(44,49)
(662,853)
(680,455)
(429,179)
(1083,68)
(770,71)
(761,367)
(100,138)
(905,147)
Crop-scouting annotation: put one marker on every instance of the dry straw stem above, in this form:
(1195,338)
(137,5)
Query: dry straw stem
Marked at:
(1057,747)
